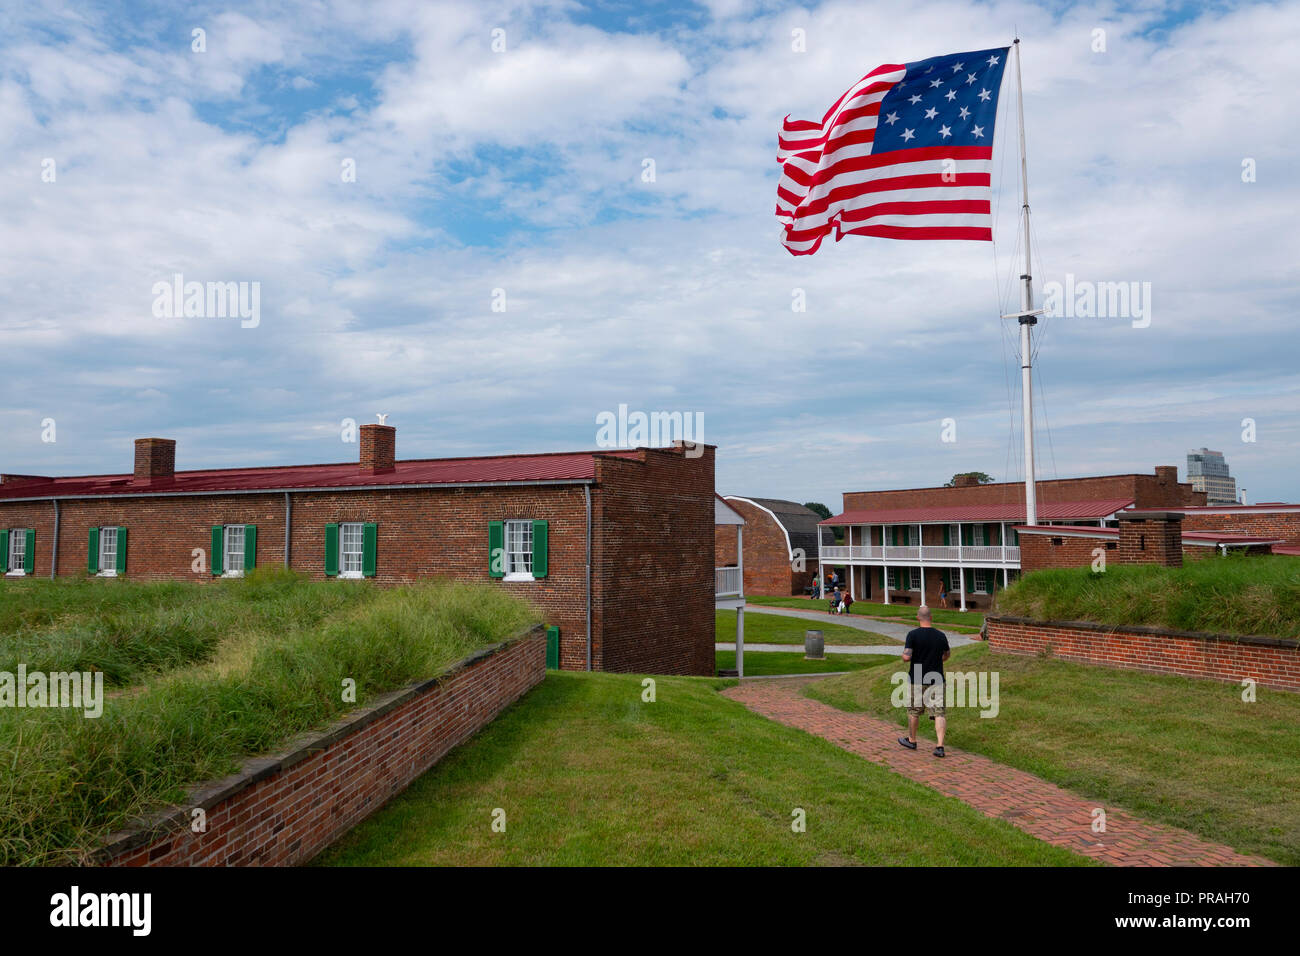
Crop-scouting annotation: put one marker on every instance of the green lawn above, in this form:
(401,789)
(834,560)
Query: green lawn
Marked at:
(768,663)
(1242,594)
(1185,752)
(763,628)
(969,621)
(590,775)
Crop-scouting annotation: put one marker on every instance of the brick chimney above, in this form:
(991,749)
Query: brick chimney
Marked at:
(1151,537)
(155,459)
(965,481)
(378,448)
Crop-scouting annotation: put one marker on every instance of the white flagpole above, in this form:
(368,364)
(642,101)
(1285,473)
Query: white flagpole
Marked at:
(1027,317)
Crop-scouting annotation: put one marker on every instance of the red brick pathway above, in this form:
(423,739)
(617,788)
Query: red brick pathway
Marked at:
(1039,808)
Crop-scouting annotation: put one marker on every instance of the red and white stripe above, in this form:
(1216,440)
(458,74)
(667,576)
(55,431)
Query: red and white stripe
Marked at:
(831,181)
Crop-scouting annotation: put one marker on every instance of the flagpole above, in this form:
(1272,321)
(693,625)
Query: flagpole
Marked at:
(1027,317)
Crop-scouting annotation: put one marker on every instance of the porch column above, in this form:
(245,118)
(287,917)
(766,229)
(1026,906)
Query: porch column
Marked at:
(923,584)
(884,572)
(1005,580)
(853,577)
(961,577)
(740,642)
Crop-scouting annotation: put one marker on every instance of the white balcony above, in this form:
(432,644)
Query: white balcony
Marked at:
(941,554)
(728,582)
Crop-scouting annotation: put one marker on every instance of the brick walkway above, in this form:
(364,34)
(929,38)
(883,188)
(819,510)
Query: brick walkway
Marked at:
(1039,808)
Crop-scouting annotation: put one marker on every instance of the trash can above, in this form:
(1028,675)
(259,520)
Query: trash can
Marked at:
(814,646)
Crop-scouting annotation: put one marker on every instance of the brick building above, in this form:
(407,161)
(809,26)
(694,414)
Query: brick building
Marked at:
(780,545)
(1267,519)
(616,548)
(904,546)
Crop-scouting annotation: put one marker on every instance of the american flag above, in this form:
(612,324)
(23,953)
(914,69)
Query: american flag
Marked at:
(906,153)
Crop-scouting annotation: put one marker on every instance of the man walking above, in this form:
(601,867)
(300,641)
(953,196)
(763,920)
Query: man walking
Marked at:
(925,650)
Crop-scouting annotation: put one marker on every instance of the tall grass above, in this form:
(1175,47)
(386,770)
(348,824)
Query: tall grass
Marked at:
(1235,595)
(67,781)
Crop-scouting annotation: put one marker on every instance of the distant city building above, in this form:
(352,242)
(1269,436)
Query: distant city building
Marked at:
(1208,472)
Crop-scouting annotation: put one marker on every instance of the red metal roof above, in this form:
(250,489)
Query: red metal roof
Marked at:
(1014,511)
(1209,537)
(552,467)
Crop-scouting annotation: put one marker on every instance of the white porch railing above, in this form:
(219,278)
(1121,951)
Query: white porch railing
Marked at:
(728,581)
(929,554)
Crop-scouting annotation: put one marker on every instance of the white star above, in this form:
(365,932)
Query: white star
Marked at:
(891,119)
(931,113)
(907,135)
(993,61)
(964,112)
(956,67)
(970,78)
(984,95)
(935,83)
(950,95)
(914,100)
(945,132)
(978,131)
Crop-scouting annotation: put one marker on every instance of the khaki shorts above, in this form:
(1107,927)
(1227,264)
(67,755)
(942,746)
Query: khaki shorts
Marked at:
(927,697)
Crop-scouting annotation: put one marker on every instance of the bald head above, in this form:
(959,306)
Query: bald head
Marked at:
(923,616)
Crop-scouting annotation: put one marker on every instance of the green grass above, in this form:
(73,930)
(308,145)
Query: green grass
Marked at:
(1184,752)
(1243,594)
(903,613)
(71,780)
(768,663)
(763,628)
(590,775)
(130,629)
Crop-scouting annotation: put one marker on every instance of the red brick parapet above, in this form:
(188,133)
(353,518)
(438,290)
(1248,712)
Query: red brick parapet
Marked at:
(1270,661)
(282,810)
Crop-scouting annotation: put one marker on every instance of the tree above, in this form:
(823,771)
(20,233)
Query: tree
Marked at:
(822,511)
(979,476)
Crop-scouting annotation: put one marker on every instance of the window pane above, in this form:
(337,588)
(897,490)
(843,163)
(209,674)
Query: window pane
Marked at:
(107,549)
(234,548)
(17,548)
(350,544)
(519,547)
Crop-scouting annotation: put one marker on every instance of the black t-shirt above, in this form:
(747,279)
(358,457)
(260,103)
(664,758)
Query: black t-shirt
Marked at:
(928,645)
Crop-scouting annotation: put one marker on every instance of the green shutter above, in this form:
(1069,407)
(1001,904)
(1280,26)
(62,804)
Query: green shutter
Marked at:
(29,552)
(121,551)
(882,579)
(496,549)
(947,529)
(250,547)
(92,551)
(217,561)
(553,648)
(331,550)
(893,531)
(539,549)
(966,535)
(369,543)
(4,549)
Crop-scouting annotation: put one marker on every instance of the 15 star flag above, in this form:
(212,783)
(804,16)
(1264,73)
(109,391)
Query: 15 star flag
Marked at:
(905,153)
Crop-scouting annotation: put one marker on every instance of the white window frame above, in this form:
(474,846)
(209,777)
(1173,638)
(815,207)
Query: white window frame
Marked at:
(976,575)
(107,567)
(892,579)
(344,554)
(226,570)
(16,535)
(519,563)
(913,579)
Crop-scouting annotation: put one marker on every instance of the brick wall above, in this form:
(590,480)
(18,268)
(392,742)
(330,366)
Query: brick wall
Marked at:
(1151,539)
(1148,491)
(767,555)
(1271,662)
(653,558)
(1267,524)
(283,810)
(1037,551)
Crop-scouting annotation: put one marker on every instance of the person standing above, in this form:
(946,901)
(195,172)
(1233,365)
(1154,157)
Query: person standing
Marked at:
(924,650)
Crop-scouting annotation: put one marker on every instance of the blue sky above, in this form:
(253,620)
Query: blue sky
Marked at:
(521,170)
